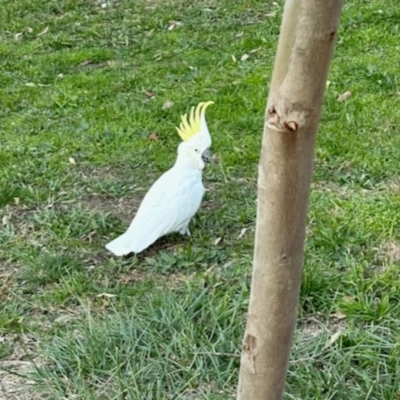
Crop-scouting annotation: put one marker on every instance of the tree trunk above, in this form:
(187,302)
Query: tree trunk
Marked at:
(307,39)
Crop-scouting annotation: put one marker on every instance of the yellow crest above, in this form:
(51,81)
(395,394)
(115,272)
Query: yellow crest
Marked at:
(188,129)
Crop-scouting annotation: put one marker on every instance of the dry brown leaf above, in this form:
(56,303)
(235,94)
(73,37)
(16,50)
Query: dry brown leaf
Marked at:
(167,104)
(150,94)
(153,136)
(72,160)
(107,295)
(216,158)
(348,299)
(217,240)
(44,31)
(339,315)
(333,338)
(86,62)
(90,236)
(242,232)
(344,96)
(173,24)
(227,264)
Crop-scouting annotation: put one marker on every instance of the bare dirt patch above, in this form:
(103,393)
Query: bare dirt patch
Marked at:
(125,208)
(389,252)
(15,371)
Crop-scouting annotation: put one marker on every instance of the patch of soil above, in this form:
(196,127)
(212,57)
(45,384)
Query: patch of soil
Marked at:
(124,208)
(15,382)
(389,252)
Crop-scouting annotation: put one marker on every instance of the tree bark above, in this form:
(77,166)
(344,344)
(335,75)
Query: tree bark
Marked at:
(308,35)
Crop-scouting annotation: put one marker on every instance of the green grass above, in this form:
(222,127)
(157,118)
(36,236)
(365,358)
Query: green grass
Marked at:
(169,323)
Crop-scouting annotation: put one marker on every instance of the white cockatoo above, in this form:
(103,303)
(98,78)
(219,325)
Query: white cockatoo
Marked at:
(176,196)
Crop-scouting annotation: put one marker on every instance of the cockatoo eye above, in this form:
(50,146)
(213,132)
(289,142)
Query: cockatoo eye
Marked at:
(196,150)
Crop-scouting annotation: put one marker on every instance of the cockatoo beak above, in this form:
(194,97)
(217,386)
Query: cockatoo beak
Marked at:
(206,156)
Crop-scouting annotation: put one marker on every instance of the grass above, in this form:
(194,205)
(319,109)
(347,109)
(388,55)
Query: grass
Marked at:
(83,87)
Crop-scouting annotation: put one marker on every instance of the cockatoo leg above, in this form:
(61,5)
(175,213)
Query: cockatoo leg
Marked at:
(185,231)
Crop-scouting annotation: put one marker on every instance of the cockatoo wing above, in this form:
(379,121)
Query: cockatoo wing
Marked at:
(167,207)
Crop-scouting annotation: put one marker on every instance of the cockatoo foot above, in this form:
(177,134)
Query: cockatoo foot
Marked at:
(185,231)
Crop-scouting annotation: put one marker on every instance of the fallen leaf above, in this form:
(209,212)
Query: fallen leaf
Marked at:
(44,31)
(233,58)
(72,160)
(339,315)
(167,104)
(348,299)
(173,24)
(333,338)
(60,76)
(239,35)
(242,232)
(16,201)
(149,94)
(6,219)
(217,240)
(18,36)
(90,236)
(63,319)
(107,295)
(216,158)
(227,264)
(255,50)
(153,136)
(77,334)
(30,84)
(29,29)
(328,83)
(344,96)
(244,57)
(86,62)
(209,270)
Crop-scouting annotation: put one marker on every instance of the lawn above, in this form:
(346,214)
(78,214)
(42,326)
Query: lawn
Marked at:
(91,92)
